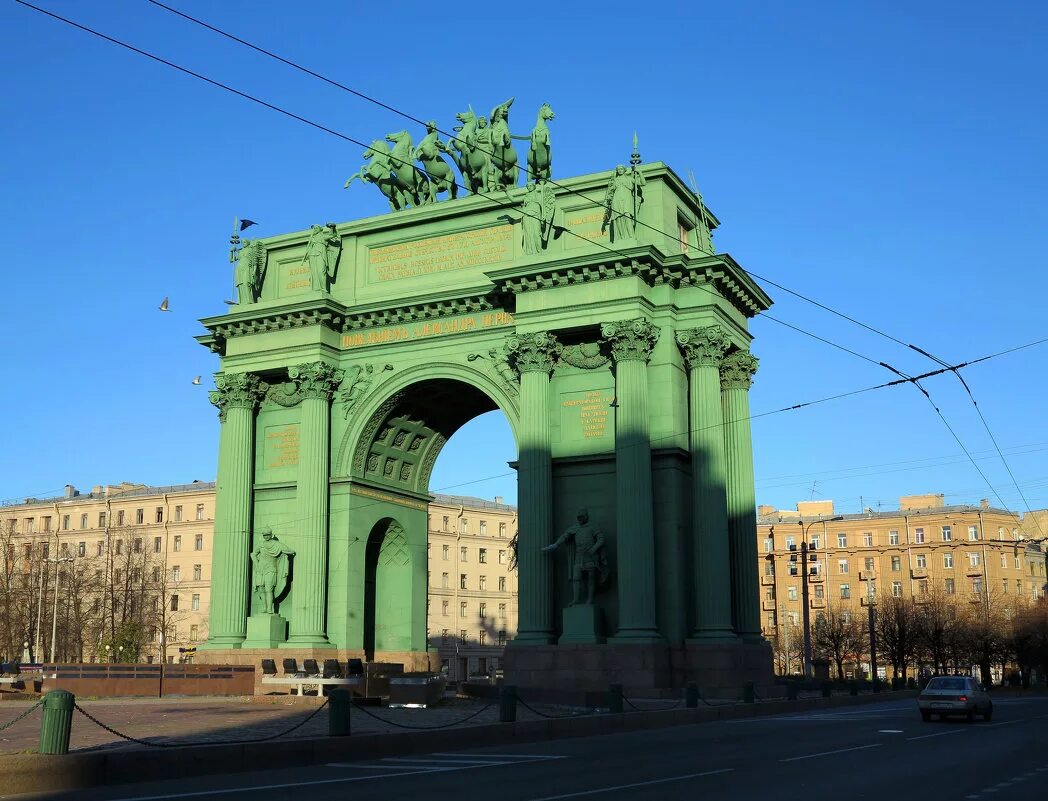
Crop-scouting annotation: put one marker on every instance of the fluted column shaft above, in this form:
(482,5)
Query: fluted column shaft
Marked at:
(317,382)
(631,343)
(533,356)
(703,350)
(737,372)
(237,397)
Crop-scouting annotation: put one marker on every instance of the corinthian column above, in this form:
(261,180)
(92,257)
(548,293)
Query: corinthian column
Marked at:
(237,396)
(317,382)
(703,350)
(533,356)
(736,379)
(631,343)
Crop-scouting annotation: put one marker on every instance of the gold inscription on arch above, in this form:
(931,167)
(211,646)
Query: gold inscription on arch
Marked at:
(484,247)
(424,330)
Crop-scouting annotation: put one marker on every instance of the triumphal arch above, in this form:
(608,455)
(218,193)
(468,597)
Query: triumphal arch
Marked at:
(595,313)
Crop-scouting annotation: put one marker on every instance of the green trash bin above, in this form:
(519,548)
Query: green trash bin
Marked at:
(57,721)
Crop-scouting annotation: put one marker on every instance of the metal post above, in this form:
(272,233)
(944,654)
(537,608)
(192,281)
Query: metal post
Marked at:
(805,617)
(615,698)
(691,695)
(339,704)
(749,692)
(870,608)
(56,722)
(507,703)
(791,690)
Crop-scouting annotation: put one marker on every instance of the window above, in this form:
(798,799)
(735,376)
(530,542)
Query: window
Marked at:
(462,554)
(867,539)
(64,551)
(896,564)
(444,580)
(893,537)
(973,533)
(196,572)
(947,534)
(791,543)
(194,630)
(1004,560)
(174,603)
(769,545)
(445,551)
(918,535)
(200,511)
(769,567)
(816,542)
(483,609)
(119,547)
(947,561)
(791,593)
(871,589)
(845,591)
(502,636)
(482,556)
(198,542)
(444,523)
(156,574)
(1005,585)
(815,567)
(842,540)
(896,589)
(462,581)
(176,573)
(842,565)
(922,560)
(502,611)
(868,564)
(819,593)
(922,586)
(463,525)
(683,235)
(977,586)
(140,516)
(81,549)
(949,586)
(120,517)
(482,636)
(83,521)
(483,527)
(101,519)
(502,529)
(137,547)
(101,548)
(158,544)
(178,514)
(176,543)
(1018,587)
(1017,566)
(502,557)
(973,559)
(194,603)
(502,583)
(483,583)
(462,609)
(65,522)
(792,618)
(444,609)
(118,576)
(1015,533)
(158,514)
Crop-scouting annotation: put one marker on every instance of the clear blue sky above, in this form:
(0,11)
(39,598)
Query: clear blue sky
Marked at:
(885,158)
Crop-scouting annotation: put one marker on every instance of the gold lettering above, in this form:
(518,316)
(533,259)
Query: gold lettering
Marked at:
(484,247)
(282,446)
(455,325)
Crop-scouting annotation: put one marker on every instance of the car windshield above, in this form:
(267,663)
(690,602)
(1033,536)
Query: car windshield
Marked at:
(944,683)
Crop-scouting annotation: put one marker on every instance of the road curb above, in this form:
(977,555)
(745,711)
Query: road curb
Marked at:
(37,773)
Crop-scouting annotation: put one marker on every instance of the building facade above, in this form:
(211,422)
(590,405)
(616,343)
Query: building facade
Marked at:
(133,569)
(967,553)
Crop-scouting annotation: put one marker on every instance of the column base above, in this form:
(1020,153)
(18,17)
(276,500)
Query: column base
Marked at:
(583,624)
(265,631)
(221,643)
(751,638)
(637,637)
(529,638)
(306,641)
(712,637)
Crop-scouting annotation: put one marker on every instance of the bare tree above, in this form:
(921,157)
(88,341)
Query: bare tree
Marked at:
(897,631)
(837,637)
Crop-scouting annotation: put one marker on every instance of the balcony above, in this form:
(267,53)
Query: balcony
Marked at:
(768,606)
(867,601)
(816,577)
(919,572)
(974,571)
(817,603)
(975,597)
(867,575)
(767,581)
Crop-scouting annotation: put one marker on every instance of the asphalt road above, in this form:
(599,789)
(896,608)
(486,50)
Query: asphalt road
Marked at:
(881,751)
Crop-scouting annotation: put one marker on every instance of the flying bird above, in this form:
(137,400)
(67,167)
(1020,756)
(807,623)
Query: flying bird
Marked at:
(196,380)
(164,305)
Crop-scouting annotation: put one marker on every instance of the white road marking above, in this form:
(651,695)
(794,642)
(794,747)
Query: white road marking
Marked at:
(1002,723)
(634,784)
(890,731)
(503,756)
(828,753)
(380,766)
(940,734)
(421,761)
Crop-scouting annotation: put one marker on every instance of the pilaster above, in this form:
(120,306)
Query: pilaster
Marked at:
(317,382)
(237,396)
(736,372)
(631,343)
(703,350)
(533,356)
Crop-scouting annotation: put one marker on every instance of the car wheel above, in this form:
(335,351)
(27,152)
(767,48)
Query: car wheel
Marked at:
(988,713)
(970,715)
(926,715)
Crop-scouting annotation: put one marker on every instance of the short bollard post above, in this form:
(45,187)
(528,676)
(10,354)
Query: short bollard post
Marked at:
(339,703)
(615,698)
(749,692)
(56,722)
(507,703)
(691,695)
(827,689)
(877,685)
(853,687)
(791,691)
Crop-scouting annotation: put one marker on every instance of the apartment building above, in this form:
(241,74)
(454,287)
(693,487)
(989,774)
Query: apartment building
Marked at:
(967,552)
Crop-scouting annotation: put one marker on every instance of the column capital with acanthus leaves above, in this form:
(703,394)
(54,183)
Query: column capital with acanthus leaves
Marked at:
(316,379)
(737,370)
(236,391)
(630,339)
(536,352)
(703,347)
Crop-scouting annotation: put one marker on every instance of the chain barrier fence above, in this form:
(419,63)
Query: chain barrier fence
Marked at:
(674,705)
(541,714)
(23,716)
(458,722)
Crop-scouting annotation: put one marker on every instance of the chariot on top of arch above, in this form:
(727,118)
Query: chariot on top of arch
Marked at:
(481,148)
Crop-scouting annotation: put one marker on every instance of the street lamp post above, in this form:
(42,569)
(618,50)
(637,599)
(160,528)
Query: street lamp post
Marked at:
(54,613)
(805,617)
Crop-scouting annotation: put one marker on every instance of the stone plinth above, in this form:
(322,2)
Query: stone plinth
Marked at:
(583,625)
(265,631)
